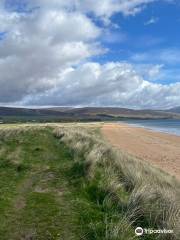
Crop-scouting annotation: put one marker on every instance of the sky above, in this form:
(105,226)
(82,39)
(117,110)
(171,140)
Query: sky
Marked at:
(113,53)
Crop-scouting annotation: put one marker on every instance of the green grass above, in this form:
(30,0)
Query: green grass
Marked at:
(45,193)
(34,200)
(64,184)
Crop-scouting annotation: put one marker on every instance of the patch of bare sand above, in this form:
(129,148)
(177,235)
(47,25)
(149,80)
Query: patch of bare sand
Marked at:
(160,149)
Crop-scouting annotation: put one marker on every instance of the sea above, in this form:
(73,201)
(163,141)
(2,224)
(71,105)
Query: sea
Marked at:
(171,126)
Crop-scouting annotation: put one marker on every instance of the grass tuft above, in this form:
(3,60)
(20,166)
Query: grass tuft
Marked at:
(145,195)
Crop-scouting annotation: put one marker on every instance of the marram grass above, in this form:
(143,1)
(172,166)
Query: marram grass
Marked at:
(65,182)
(146,196)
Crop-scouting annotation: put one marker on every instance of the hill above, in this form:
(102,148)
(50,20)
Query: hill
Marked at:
(10,111)
(174,110)
(121,112)
(8,114)
(56,114)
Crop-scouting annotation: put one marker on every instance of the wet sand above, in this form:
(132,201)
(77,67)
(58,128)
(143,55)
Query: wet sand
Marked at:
(159,149)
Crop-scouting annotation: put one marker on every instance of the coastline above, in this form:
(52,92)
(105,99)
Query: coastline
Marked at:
(163,129)
(158,148)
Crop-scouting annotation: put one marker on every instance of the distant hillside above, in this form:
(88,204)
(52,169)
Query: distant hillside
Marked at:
(122,112)
(60,109)
(174,110)
(8,114)
(8,111)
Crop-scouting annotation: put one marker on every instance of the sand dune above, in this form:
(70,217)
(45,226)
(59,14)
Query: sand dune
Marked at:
(160,149)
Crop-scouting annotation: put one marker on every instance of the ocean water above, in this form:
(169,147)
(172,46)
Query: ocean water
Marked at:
(171,126)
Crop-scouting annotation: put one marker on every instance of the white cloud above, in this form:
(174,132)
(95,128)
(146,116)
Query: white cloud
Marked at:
(107,8)
(39,45)
(114,36)
(150,72)
(151,21)
(104,9)
(44,58)
(67,26)
(111,84)
(167,55)
(154,71)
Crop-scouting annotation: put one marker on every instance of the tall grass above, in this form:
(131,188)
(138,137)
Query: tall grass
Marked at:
(141,194)
(130,192)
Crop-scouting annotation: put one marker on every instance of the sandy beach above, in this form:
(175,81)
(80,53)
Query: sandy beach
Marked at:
(160,149)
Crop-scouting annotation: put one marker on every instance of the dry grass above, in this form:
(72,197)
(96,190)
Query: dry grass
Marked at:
(153,196)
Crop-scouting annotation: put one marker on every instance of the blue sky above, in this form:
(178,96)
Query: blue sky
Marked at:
(150,32)
(90,53)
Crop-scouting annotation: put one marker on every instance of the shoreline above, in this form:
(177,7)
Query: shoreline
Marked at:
(158,148)
(154,129)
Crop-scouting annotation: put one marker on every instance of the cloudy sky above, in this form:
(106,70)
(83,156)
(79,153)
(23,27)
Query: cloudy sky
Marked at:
(123,53)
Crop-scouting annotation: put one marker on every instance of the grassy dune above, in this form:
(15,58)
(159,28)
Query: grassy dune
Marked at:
(142,195)
(65,182)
